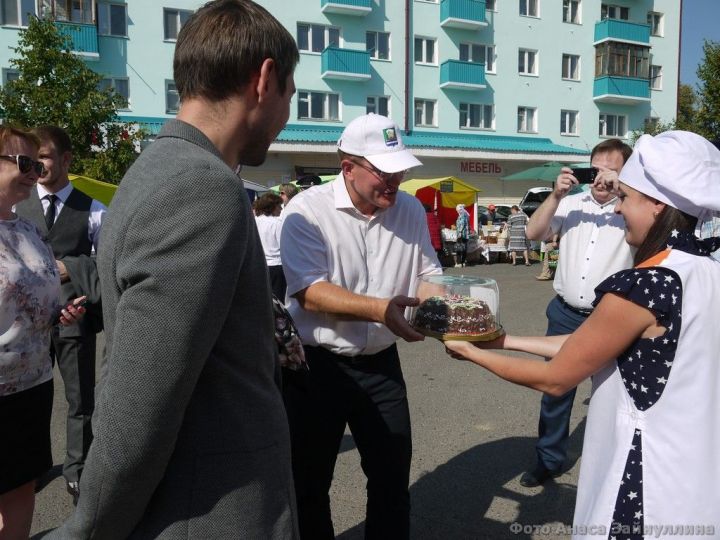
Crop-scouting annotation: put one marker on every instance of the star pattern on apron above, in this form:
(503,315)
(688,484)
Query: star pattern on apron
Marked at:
(646,365)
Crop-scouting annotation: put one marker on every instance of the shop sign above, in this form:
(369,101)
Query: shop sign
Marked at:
(481,167)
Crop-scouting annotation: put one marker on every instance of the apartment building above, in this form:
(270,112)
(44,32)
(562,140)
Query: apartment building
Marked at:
(481,88)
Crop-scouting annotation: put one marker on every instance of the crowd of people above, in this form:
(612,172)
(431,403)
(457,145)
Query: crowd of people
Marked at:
(202,429)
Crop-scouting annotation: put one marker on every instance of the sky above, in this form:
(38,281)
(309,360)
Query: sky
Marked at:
(700,21)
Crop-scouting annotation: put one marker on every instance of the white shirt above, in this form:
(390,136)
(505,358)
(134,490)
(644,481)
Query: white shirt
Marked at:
(97,211)
(325,238)
(269,228)
(592,247)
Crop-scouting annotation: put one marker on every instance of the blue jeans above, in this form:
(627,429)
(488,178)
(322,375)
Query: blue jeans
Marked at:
(554,424)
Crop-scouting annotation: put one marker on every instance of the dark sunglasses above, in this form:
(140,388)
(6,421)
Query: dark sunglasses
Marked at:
(25,164)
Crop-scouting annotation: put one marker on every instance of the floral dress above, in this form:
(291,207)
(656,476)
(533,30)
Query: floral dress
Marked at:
(29,306)
(646,366)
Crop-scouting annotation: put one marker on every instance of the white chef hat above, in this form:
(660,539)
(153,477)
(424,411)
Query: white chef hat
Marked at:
(679,168)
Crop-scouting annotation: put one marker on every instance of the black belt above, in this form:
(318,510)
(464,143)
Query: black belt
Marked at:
(579,311)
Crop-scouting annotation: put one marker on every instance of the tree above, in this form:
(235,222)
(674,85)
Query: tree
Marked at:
(708,112)
(56,87)
(686,108)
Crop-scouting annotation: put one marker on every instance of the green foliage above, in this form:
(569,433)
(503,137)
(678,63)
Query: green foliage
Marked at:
(651,128)
(708,111)
(55,87)
(119,145)
(686,108)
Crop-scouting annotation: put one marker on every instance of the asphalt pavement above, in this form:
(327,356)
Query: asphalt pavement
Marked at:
(473,436)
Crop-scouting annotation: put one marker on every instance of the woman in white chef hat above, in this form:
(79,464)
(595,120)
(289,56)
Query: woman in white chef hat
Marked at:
(650,459)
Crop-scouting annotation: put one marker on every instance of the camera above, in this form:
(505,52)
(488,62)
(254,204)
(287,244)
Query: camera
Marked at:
(585,175)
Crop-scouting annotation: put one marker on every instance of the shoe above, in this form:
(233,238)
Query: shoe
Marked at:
(527,264)
(538,476)
(73,488)
(543,277)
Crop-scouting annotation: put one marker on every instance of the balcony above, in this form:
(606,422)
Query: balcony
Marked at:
(357,8)
(83,38)
(621,90)
(458,75)
(345,64)
(622,31)
(464,14)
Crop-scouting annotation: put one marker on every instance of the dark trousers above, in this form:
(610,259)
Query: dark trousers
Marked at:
(554,425)
(75,357)
(277,282)
(461,250)
(367,393)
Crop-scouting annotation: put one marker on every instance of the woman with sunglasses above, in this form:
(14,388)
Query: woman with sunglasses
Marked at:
(29,307)
(650,464)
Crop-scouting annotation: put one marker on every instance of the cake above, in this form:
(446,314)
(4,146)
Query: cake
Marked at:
(455,315)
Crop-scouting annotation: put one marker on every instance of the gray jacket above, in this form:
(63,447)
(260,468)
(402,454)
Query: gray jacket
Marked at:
(191,437)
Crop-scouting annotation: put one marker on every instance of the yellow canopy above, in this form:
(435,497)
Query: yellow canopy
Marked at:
(453,190)
(101,191)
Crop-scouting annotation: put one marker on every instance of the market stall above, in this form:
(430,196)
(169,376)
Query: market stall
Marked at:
(443,195)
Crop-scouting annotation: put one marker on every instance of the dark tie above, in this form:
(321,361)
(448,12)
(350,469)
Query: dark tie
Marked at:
(50,213)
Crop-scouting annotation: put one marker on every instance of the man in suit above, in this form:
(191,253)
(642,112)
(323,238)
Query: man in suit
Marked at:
(191,436)
(71,222)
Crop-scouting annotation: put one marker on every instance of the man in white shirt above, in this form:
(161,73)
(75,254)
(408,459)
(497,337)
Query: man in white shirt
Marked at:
(354,251)
(592,247)
(71,221)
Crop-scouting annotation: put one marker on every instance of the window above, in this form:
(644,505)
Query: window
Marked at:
(529,8)
(112,19)
(655,20)
(622,59)
(172,98)
(571,11)
(79,11)
(612,125)
(174,21)
(479,54)
(527,62)
(527,120)
(378,105)
(425,51)
(121,85)
(16,12)
(571,67)
(490,5)
(318,106)
(316,37)
(425,113)
(656,77)
(608,11)
(568,122)
(378,45)
(10,75)
(652,124)
(476,115)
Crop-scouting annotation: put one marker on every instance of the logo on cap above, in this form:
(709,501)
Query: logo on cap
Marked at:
(390,137)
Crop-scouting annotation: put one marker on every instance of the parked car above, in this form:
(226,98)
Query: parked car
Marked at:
(502,212)
(534,198)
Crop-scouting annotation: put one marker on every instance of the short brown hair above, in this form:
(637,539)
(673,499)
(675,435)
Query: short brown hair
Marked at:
(612,145)
(224,43)
(7,132)
(267,203)
(57,135)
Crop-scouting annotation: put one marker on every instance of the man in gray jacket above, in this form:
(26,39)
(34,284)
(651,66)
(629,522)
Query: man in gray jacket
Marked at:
(191,438)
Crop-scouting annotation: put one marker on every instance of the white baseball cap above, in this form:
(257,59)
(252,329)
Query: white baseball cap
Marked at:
(377,139)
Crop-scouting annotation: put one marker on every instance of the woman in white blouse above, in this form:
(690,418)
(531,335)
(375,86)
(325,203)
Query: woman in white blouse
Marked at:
(269,224)
(29,307)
